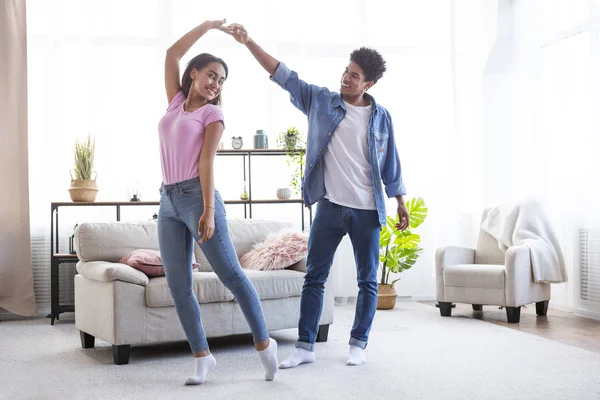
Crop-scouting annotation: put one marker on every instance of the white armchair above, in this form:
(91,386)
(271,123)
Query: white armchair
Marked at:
(488,276)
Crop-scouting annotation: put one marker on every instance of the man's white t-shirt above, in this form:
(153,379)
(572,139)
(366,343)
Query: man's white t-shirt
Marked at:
(348,175)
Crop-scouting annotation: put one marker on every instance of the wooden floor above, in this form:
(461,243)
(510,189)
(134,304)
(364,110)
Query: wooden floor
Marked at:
(561,326)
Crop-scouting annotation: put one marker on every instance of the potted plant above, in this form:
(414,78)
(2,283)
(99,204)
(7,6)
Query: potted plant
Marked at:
(291,140)
(83,187)
(398,251)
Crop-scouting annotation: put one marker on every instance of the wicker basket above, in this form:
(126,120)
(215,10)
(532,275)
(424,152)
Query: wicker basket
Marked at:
(83,190)
(387,297)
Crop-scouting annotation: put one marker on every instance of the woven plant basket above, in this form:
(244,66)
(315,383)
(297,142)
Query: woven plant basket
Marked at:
(386,299)
(83,190)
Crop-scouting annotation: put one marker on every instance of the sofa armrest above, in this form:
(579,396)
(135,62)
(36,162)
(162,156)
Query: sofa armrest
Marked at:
(103,271)
(450,255)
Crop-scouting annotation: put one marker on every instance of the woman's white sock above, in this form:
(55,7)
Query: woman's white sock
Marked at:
(202,365)
(268,357)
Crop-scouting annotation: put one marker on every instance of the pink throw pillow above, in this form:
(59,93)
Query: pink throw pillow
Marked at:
(278,251)
(147,261)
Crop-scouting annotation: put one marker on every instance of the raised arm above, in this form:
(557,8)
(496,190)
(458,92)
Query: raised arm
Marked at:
(240,34)
(178,50)
(301,93)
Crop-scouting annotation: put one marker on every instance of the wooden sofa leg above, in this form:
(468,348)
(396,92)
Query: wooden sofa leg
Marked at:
(541,307)
(513,314)
(121,354)
(445,308)
(87,340)
(477,307)
(323,333)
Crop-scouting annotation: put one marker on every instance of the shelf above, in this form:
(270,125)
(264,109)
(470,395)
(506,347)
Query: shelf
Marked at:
(156,203)
(65,256)
(265,152)
(105,203)
(263,201)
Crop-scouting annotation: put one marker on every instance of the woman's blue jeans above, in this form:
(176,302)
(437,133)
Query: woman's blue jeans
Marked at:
(181,205)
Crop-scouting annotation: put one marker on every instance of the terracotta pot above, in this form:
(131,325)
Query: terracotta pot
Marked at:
(386,299)
(83,190)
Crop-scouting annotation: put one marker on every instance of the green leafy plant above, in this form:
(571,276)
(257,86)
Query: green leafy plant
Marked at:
(84,158)
(292,141)
(399,251)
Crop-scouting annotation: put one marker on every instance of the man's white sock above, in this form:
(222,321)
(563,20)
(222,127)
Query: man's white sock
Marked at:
(300,356)
(202,365)
(268,357)
(356,356)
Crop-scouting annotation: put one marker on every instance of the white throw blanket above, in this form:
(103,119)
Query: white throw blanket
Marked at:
(525,224)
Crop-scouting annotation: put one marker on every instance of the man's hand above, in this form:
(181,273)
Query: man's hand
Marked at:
(238,32)
(403,217)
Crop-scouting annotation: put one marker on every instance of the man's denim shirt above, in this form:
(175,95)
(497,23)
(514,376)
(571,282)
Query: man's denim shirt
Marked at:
(325,110)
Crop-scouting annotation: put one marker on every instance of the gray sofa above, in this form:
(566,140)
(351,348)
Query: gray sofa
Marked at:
(122,306)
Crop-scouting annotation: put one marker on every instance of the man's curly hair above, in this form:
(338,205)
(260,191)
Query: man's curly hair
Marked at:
(371,62)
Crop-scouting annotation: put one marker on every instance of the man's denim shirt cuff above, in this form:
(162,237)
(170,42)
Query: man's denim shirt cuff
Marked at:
(395,189)
(281,75)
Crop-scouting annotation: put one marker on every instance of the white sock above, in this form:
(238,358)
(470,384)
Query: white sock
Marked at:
(268,357)
(356,356)
(300,356)
(202,365)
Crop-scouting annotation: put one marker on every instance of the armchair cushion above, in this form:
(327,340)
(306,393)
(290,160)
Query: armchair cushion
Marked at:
(482,276)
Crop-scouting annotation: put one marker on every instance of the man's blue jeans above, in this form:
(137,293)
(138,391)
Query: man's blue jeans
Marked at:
(331,223)
(181,205)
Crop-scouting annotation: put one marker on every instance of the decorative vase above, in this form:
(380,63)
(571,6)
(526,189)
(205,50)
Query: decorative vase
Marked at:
(83,190)
(284,193)
(261,141)
(386,299)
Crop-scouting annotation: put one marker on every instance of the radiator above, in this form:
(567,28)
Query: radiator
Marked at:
(589,250)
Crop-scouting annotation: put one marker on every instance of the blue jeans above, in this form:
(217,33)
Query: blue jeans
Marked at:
(181,205)
(331,223)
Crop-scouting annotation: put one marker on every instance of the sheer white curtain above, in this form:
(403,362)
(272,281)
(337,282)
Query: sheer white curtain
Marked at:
(542,121)
(96,67)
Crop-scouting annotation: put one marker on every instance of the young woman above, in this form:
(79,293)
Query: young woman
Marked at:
(190,207)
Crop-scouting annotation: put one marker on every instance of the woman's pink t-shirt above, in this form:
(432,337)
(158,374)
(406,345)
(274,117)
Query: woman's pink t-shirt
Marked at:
(181,135)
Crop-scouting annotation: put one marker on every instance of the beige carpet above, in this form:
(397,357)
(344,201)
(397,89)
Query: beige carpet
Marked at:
(414,354)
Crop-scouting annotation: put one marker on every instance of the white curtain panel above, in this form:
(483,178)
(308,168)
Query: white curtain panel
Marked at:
(16,278)
(541,97)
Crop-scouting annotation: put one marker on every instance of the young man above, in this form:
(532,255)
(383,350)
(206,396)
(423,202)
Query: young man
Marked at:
(350,151)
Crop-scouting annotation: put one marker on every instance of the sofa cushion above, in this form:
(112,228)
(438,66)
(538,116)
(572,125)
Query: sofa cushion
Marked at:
(484,276)
(209,289)
(245,233)
(109,241)
(276,284)
(149,262)
(278,251)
